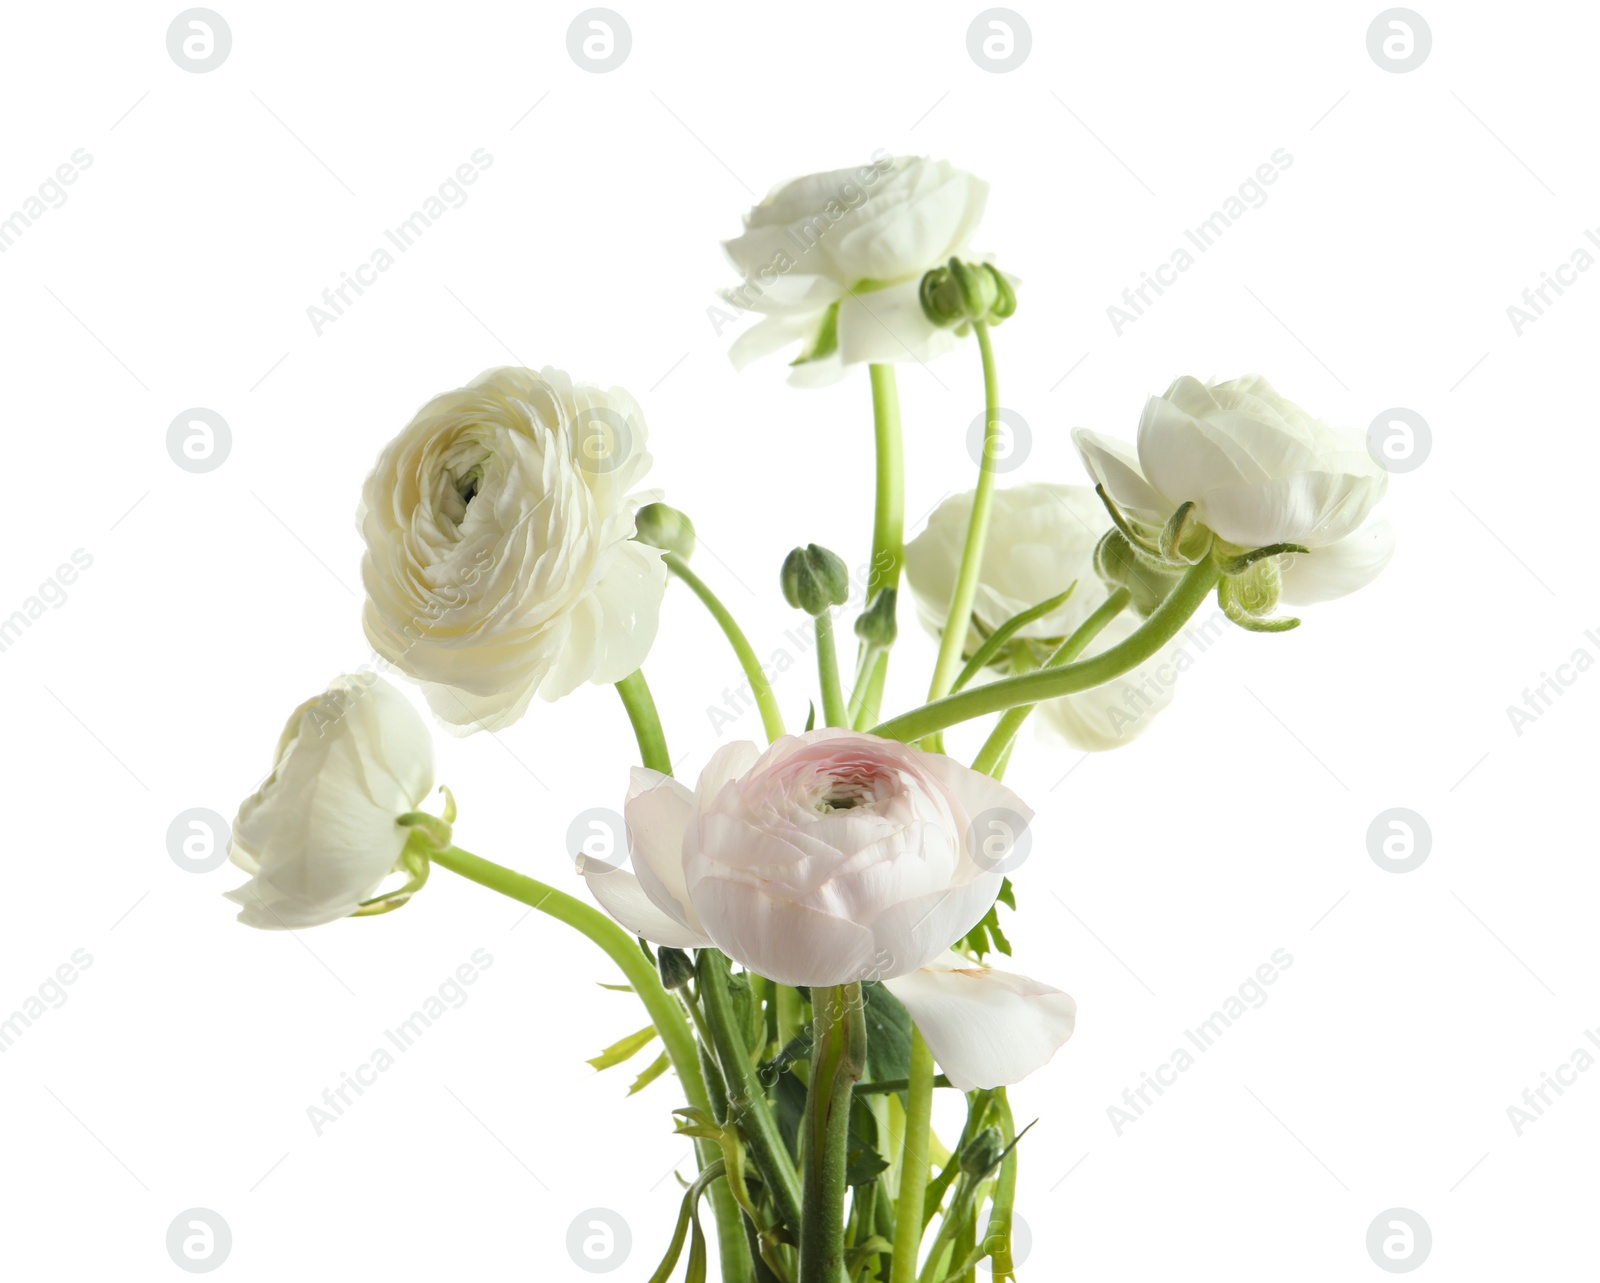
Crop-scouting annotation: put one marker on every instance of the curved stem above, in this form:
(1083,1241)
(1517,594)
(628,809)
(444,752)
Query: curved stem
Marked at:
(665,1013)
(833,709)
(760,687)
(957,623)
(1005,732)
(1049,683)
(641,706)
(908,1220)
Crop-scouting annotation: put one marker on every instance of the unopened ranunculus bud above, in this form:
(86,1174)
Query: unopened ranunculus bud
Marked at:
(957,294)
(876,625)
(981,1154)
(814,579)
(666,528)
(676,967)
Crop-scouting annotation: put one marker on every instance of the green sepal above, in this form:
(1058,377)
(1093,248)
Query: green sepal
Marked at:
(825,342)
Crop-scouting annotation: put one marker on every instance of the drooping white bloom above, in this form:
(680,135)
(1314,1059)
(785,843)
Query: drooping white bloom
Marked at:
(320,833)
(1041,540)
(835,857)
(833,263)
(1259,470)
(500,561)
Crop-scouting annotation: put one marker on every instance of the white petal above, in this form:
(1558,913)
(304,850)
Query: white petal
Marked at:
(889,325)
(657,813)
(1113,465)
(783,941)
(986,1028)
(1339,568)
(624,899)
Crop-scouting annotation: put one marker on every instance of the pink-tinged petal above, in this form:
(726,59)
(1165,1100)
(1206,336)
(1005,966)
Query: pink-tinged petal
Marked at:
(783,941)
(913,933)
(1113,465)
(728,763)
(978,794)
(986,1028)
(1339,568)
(621,895)
(657,814)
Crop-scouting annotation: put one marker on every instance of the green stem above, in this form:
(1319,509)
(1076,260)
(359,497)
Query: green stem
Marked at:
(641,706)
(888,530)
(1004,1198)
(833,708)
(914,1162)
(958,622)
(747,1099)
(1000,739)
(760,687)
(838,1061)
(1051,683)
(668,1018)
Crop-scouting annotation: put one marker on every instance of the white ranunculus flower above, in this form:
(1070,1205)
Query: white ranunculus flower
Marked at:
(319,835)
(1340,568)
(835,857)
(1041,539)
(834,261)
(500,560)
(1259,469)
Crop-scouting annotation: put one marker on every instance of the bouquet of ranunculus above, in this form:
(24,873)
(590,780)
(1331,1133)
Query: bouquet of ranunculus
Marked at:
(808,925)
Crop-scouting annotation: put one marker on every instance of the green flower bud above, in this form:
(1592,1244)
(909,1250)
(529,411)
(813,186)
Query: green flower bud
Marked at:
(662,527)
(814,579)
(959,293)
(876,625)
(1118,562)
(677,967)
(981,1154)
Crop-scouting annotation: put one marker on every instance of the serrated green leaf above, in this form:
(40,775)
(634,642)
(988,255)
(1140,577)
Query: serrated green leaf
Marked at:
(619,1051)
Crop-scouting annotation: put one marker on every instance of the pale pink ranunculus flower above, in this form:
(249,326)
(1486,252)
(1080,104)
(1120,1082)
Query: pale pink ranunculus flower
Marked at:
(834,857)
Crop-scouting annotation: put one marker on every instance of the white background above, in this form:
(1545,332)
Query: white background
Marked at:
(178,273)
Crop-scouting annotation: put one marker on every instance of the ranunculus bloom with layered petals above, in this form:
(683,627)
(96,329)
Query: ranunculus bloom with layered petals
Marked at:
(319,835)
(835,857)
(1042,539)
(834,261)
(1260,471)
(500,557)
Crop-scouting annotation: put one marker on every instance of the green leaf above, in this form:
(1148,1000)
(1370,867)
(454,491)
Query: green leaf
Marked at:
(658,1066)
(617,1052)
(888,1034)
(615,988)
